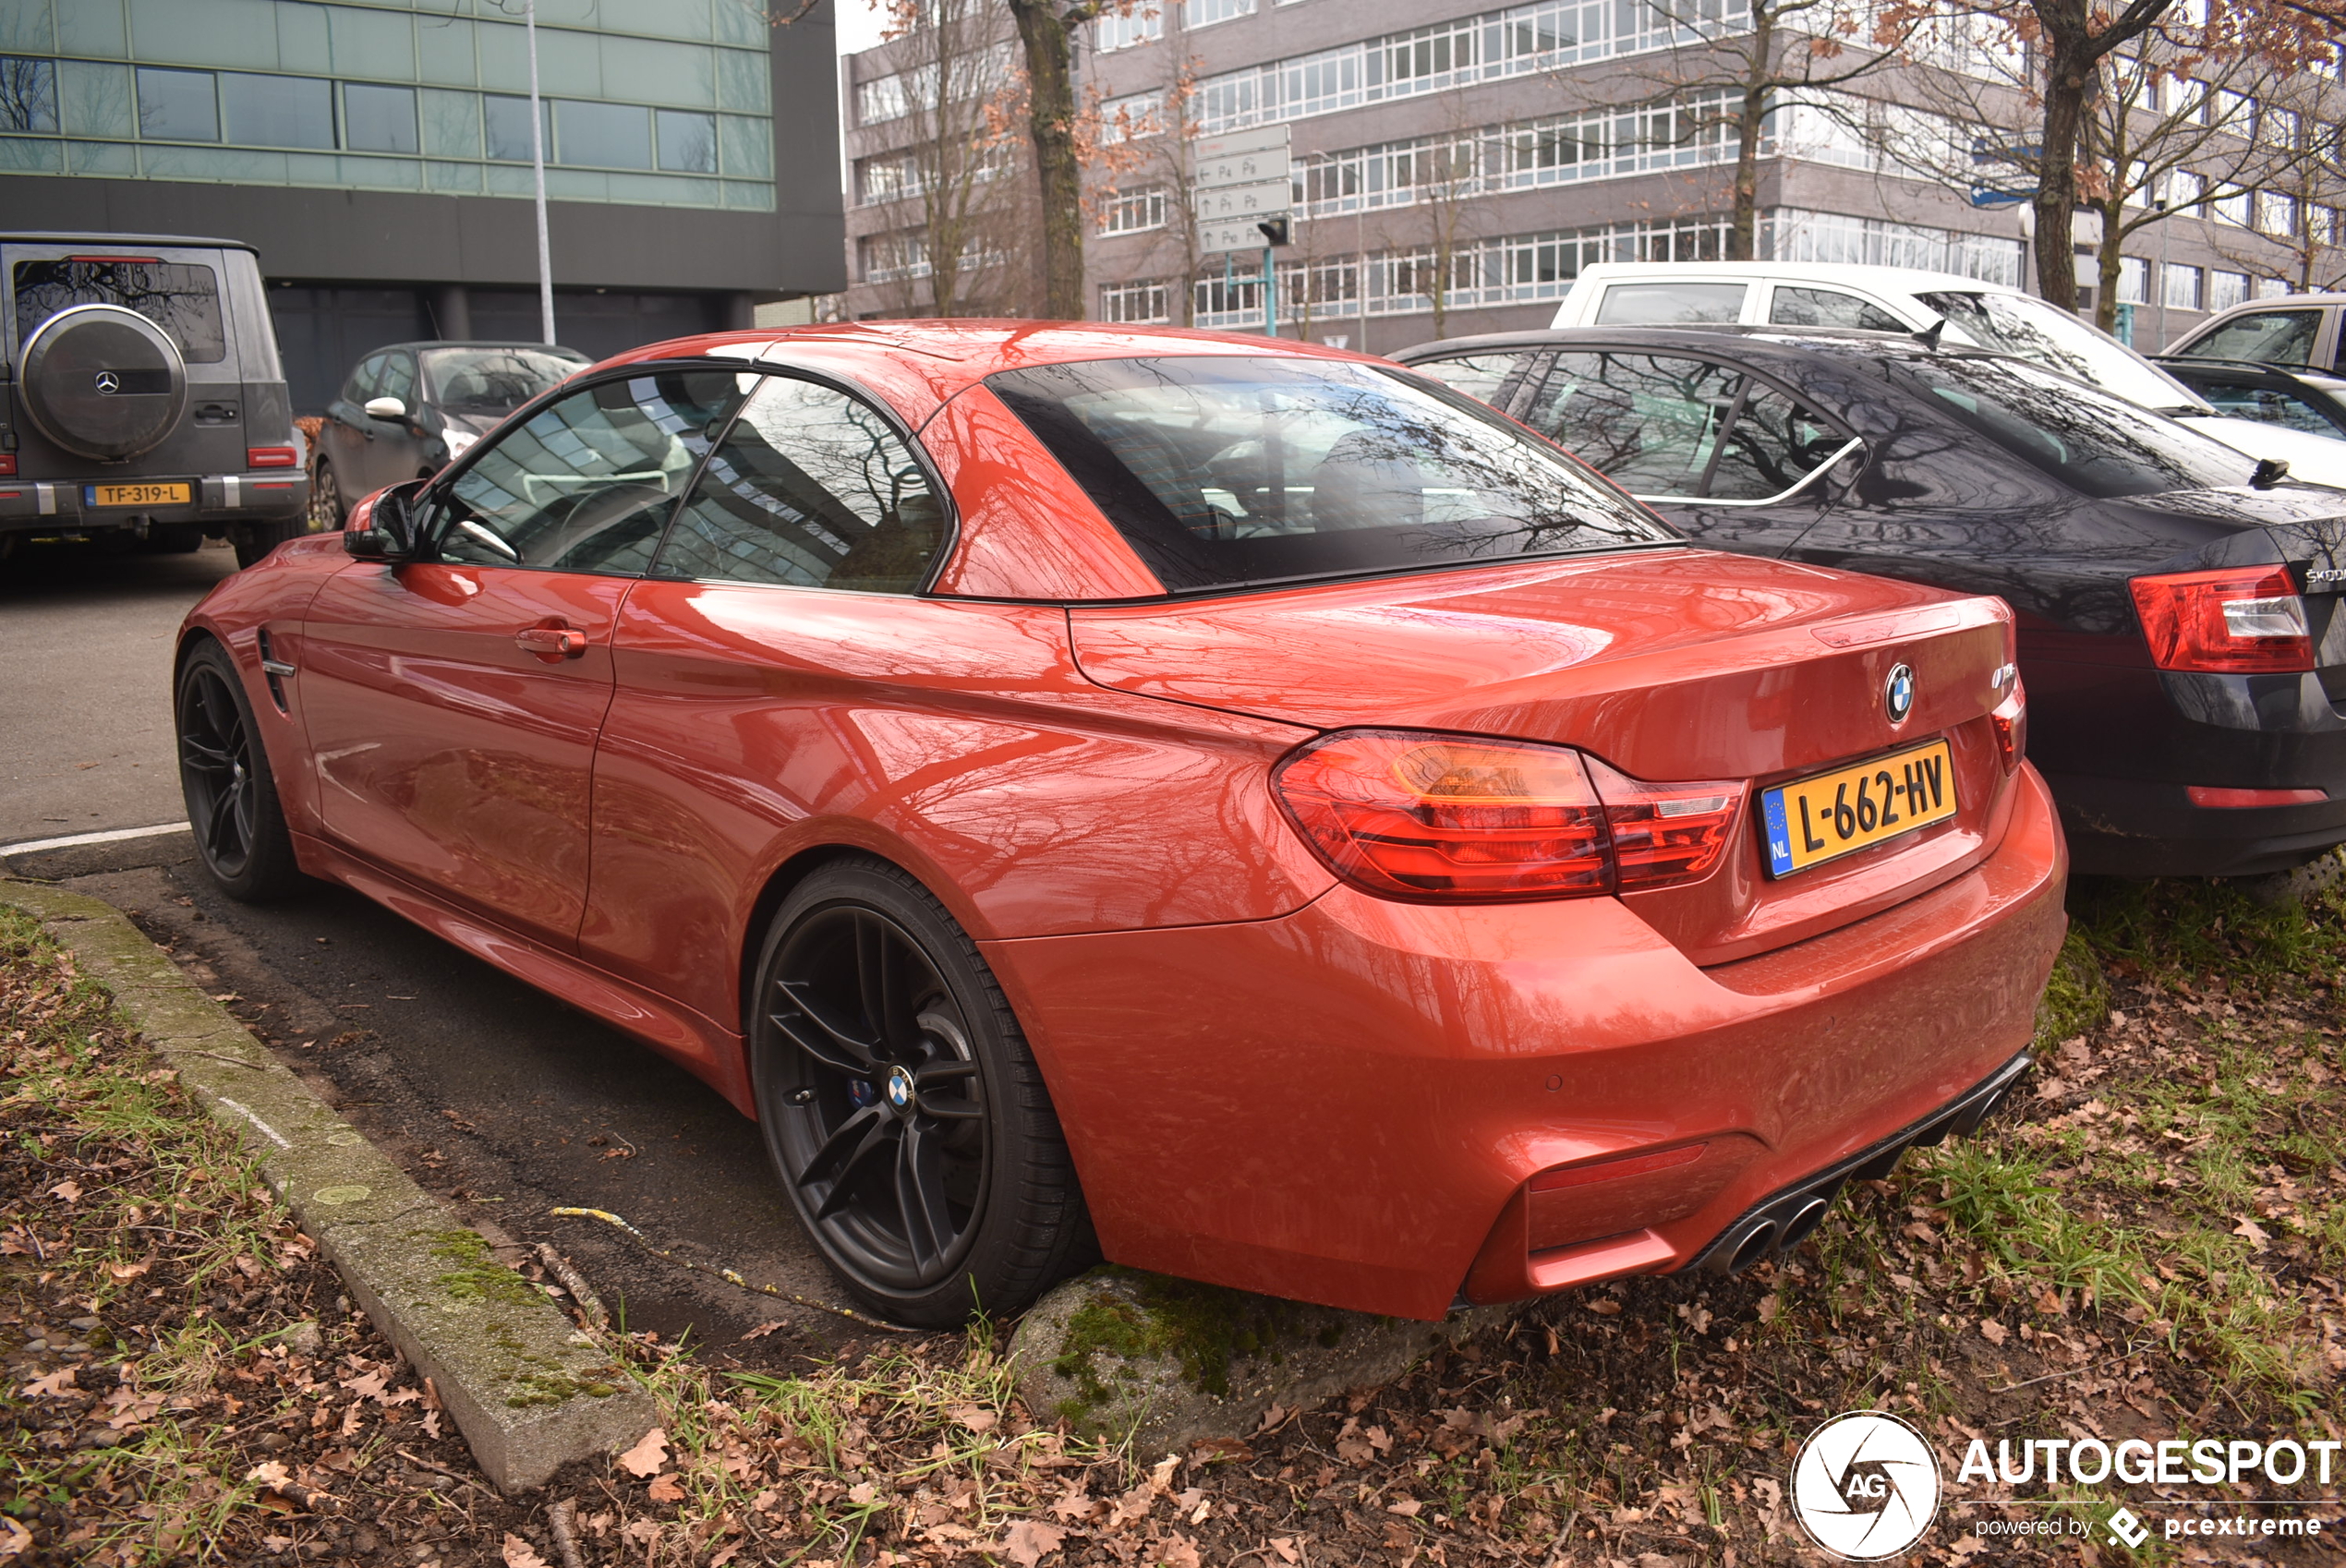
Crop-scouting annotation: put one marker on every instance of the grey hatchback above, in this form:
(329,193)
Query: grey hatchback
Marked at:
(142,401)
(408,410)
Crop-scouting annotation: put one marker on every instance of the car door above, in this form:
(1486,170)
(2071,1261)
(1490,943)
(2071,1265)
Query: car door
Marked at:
(394,451)
(767,652)
(1734,461)
(454,701)
(346,427)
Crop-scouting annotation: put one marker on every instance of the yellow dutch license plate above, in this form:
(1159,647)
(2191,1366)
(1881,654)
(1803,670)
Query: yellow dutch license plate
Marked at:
(1814,820)
(136,495)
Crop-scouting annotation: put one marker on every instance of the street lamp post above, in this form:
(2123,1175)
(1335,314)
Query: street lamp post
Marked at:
(537,171)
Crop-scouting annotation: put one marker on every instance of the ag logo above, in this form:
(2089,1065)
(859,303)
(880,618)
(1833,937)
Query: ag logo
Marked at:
(1866,1485)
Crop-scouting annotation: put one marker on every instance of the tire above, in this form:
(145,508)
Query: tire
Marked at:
(326,510)
(903,1113)
(255,540)
(223,774)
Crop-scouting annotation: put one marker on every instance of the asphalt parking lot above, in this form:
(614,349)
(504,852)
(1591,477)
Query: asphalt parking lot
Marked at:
(491,1093)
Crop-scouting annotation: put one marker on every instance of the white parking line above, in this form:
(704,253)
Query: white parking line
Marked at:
(111,836)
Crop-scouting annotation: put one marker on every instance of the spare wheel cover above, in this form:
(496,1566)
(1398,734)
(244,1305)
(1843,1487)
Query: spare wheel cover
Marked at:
(103,381)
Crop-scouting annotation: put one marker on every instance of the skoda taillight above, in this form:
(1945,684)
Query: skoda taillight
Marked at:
(2239,620)
(1451,818)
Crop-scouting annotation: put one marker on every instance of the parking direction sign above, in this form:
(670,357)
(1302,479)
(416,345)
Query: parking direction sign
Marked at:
(1246,157)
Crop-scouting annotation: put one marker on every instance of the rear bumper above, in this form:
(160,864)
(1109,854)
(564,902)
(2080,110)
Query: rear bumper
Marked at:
(1349,1104)
(2135,827)
(60,505)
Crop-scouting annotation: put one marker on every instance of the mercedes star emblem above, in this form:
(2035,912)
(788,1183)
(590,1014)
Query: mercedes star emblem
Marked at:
(108,383)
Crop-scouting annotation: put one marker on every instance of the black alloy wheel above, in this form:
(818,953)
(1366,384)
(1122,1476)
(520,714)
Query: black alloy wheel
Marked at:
(223,774)
(903,1110)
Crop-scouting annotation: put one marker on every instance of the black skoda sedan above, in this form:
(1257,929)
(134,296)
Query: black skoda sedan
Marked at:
(2181,638)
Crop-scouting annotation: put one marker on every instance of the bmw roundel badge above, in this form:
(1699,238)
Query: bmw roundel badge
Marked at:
(1898,693)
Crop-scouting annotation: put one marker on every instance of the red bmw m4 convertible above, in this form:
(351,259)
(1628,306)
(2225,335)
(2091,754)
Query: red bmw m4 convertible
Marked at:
(1230,803)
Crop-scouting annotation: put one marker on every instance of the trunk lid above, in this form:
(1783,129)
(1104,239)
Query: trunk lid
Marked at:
(1669,666)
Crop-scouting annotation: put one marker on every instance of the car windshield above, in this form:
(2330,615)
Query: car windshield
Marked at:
(1226,472)
(2091,442)
(495,380)
(2016,323)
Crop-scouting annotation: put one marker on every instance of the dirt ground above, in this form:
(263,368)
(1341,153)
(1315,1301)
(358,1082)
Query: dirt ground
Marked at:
(2150,1243)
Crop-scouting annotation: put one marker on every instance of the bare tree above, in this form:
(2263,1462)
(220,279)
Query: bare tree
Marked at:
(1736,72)
(958,175)
(2296,230)
(1046,31)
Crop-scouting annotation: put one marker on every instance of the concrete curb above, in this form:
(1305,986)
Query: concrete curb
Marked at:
(529,1392)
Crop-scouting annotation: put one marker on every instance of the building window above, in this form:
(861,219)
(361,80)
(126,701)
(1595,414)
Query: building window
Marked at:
(1134,303)
(2134,281)
(887,257)
(257,110)
(2182,291)
(2276,214)
(1205,13)
(687,141)
(879,102)
(507,121)
(28,95)
(1145,25)
(1131,212)
(888,179)
(605,135)
(2270,288)
(379,119)
(2226,290)
(2232,208)
(177,105)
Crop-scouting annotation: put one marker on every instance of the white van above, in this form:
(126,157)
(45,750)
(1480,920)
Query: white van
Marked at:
(1827,293)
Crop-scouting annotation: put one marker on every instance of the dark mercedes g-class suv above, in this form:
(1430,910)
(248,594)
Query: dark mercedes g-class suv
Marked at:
(142,400)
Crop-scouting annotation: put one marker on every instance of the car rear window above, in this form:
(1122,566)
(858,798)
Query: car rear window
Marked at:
(495,380)
(181,298)
(1227,472)
(2088,440)
(1657,305)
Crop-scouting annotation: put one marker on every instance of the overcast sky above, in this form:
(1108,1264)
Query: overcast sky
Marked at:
(859,25)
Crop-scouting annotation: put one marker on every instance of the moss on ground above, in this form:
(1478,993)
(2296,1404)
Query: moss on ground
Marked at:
(1202,1329)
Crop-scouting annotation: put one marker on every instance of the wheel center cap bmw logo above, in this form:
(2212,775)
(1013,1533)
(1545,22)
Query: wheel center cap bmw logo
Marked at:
(108,383)
(1898,693)
(900,1089)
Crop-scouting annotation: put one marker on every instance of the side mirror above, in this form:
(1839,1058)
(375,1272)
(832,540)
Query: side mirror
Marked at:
(386,408)
(388,533)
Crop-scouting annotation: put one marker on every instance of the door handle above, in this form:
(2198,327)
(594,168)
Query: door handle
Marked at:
(551,642)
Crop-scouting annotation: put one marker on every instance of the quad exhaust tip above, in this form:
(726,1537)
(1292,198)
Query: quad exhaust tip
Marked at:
(1781,1226)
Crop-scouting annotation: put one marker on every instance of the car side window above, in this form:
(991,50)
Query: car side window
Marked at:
(2269,405)
(1480,376)
(398,380)
(1773,445)
(362,381)
(810,489)
(1830,307)
(1659,304)
(2270,337)
(1648,422)
(587,484)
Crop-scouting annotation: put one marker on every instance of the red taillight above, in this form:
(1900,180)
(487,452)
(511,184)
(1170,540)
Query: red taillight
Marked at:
(271,457)
(7,465)
(2011,720)
(2240,799)
(2236,621)
(1455,818)
(1664,833)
